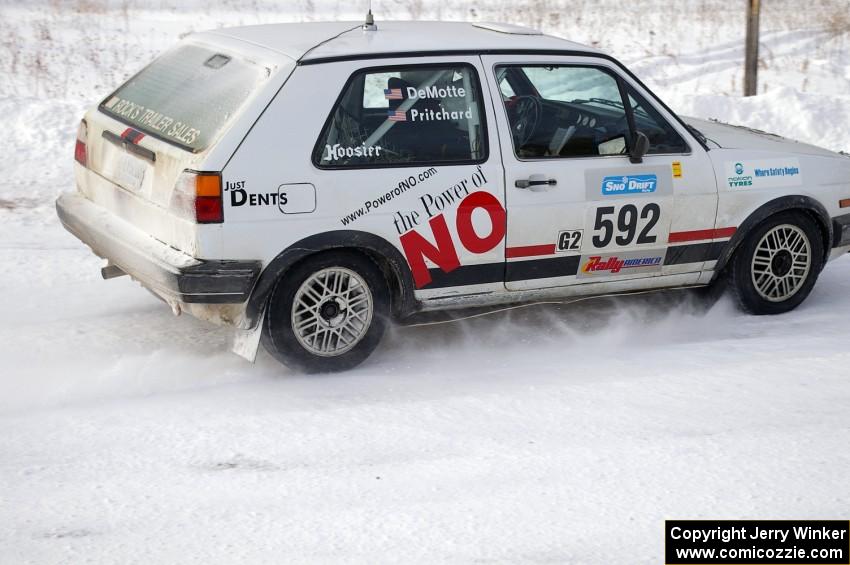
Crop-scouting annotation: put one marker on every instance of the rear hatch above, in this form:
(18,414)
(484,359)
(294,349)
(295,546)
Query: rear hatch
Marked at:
(161,122)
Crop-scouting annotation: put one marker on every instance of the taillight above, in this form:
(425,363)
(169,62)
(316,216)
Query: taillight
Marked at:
(80,155)
(197,197)
(208,204)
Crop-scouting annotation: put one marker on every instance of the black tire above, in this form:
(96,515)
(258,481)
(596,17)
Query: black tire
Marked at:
(278,335)
(754,300)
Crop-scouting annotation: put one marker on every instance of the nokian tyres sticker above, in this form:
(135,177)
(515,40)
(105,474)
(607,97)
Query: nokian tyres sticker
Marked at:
(763,173)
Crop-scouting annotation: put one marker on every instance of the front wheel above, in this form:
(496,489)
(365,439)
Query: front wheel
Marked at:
(327,314)
(776,267)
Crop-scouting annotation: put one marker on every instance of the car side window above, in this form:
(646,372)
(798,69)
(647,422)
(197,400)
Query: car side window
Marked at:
(412,115)
(564,111)
(558,111)
(662,137)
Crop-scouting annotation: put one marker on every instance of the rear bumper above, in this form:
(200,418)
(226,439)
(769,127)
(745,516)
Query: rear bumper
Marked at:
(169,273)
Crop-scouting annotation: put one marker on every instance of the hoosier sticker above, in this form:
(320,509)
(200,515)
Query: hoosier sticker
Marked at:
(336,151)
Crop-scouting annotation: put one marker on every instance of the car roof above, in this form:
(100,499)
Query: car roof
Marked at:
(317,41)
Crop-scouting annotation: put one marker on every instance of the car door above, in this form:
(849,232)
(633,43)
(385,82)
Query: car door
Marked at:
(579,210)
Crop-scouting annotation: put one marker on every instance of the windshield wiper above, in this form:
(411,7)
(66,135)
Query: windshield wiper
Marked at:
(604,102)
(697,133)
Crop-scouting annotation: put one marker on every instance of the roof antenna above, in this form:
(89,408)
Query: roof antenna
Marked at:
(370,21)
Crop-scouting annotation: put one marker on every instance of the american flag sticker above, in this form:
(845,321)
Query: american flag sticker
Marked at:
(392,94)
(396,116)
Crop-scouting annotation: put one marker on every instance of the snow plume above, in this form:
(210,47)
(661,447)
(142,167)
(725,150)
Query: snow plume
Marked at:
(544,338)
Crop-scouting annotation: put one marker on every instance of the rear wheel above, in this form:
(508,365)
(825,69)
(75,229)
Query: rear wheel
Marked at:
(775,269)
(327,314)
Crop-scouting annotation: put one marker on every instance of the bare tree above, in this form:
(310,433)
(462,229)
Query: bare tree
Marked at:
(752,56)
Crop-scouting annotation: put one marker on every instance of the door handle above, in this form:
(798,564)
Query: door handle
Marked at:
(525,183)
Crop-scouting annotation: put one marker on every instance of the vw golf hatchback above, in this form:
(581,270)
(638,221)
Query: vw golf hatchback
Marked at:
(310,183)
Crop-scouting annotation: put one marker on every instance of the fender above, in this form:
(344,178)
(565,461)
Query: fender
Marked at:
(394,266)
(791,202)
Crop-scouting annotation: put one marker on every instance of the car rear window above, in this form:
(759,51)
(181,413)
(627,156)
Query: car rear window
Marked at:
(187,96)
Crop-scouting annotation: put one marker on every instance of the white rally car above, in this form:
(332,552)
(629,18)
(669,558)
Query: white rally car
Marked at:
(308,183)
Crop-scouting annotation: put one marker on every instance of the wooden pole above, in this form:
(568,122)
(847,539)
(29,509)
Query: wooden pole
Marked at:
(751,62)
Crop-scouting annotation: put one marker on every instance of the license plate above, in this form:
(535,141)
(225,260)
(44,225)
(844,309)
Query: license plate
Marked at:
(130,172)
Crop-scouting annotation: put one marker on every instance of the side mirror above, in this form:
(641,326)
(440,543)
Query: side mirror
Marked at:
(640,146)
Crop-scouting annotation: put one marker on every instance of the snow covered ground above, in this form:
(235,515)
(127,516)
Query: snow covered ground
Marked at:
(543,435)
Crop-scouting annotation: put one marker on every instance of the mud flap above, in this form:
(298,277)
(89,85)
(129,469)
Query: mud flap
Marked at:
(247,342)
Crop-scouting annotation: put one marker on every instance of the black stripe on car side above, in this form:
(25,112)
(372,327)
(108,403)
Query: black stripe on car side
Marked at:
(556,267)
(542,268)
(694,253)
(511,272)
(466,275)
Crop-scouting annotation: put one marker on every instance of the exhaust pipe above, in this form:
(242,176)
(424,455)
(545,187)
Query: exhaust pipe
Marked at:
(111,271)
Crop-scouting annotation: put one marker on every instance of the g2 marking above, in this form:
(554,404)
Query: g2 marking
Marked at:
(569,240)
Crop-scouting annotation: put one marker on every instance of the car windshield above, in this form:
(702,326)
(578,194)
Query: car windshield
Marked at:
(186,96)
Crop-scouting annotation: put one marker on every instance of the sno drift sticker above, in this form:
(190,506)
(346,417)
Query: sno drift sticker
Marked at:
(629,184)
(643,181)
(763,173)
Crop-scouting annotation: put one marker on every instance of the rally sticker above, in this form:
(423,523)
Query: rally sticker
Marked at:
(626,263)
